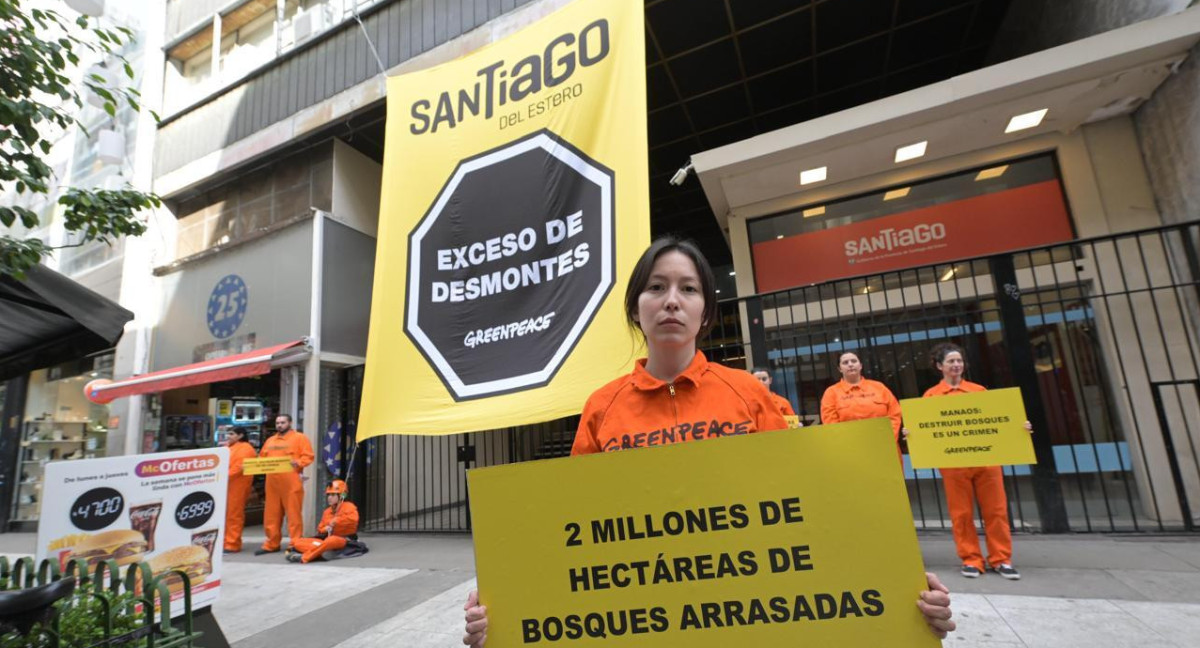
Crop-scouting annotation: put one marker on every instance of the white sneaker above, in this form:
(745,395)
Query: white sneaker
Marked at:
(1007,571)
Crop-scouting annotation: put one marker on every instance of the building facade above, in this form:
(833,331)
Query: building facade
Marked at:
(268,156)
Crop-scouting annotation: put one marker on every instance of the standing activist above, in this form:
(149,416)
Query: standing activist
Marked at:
(764,376)
(965,486)
(339,524)
(854,398)
(285,491)
(671,299)
(240,485)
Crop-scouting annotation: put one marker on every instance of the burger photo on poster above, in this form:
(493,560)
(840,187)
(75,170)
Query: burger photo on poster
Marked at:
(192,560)
(125,546)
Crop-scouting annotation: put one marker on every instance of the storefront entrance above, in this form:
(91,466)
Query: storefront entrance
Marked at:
(200,416)
(1097,334)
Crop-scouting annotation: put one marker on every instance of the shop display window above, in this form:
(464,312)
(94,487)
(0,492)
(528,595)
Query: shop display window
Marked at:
(60,424)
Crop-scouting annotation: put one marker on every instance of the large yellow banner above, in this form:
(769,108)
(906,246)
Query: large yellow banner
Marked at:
(789,538)
(514,205)
(985,428)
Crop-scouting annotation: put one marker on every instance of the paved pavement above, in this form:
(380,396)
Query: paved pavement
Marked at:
(1087,591)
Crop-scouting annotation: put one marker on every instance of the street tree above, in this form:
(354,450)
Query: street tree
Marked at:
(40,51)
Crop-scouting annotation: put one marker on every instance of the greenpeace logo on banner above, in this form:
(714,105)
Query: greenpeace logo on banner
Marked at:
(160,467)
(509,265)
(498,84)
(894,240)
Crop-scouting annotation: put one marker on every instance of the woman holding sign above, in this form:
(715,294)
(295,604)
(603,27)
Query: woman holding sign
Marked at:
(671,299)
(966,485)
(239,488)
(854,398)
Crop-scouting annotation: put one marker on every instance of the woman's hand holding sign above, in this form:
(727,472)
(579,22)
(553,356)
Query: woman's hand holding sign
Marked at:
(476,617)
(935,606)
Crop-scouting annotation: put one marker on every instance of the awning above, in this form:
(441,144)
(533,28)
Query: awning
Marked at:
(242,365)
(46,319)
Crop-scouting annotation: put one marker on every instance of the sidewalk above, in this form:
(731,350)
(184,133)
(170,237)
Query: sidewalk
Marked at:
(1087,591)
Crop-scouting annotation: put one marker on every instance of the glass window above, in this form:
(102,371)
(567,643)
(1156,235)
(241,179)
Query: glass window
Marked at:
(288,189)
(1008,206)
(60,424)
(895,200)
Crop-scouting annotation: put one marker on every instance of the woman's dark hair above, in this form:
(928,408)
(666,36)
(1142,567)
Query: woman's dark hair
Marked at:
(240,431)
(837,357)
(939,353)
(645,265)
(760,370)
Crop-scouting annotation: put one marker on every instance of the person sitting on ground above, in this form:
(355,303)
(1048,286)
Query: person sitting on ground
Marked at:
(339,524)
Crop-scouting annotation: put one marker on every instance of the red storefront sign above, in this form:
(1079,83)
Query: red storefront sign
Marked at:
(1007,220)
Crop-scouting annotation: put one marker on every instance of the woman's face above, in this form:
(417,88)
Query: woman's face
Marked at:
(849,365)
(952,365)
(671,306)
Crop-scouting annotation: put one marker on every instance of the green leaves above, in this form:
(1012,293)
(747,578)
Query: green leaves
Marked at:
(81,621)
(17,255)
(34,66)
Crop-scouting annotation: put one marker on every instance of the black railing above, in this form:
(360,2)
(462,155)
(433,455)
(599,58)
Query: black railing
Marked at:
(1098,333)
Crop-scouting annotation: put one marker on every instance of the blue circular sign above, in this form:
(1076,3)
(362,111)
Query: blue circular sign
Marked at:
(227,306)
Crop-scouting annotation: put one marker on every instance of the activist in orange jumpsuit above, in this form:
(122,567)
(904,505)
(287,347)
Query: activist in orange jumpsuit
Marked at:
(854,398)
(782,403)
(965,486)
(285,491)
(240,485)
(674,395)
(338,522)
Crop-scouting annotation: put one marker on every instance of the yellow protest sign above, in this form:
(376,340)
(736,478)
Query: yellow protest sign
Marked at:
(984,428)
(267,465)
(515,202)
(786,538)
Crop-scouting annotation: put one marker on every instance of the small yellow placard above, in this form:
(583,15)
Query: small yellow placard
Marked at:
(267,465)
(786,538)
(792,420)
(967,430)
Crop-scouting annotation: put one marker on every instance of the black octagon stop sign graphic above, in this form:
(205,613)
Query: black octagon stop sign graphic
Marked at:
(509,265)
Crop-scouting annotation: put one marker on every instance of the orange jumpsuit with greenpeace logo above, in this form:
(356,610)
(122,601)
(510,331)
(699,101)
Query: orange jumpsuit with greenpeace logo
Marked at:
(339,521)
(285,491)
(705,401)
(966,485)
(240,485)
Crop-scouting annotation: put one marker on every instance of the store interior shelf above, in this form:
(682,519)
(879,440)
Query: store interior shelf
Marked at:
(57,441)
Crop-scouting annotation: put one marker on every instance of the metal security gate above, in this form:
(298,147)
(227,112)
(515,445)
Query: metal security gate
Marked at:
(1098,333)
(419,484)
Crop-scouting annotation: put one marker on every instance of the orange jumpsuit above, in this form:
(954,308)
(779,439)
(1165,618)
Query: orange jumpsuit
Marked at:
(844,402)
(782,403)
(285,491)
(963,487)
(706,401)
(239,491)
(335,525)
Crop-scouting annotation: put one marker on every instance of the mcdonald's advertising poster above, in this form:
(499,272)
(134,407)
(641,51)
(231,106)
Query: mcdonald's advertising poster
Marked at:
(514,205)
